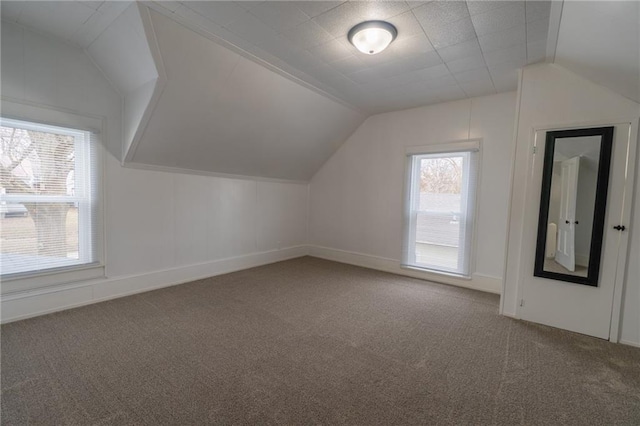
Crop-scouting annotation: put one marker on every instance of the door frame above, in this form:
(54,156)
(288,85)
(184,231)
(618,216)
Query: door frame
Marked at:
(533,204)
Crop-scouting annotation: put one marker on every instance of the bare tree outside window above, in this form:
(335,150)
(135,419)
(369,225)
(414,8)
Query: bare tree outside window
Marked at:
(40,163)
(441,175)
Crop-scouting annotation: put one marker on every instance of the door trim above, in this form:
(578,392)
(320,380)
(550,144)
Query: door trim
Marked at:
(623,247)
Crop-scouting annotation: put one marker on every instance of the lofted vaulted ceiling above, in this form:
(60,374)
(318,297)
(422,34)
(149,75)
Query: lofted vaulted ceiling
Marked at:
(222,112)
(193,104)
(270,88)
(445,50)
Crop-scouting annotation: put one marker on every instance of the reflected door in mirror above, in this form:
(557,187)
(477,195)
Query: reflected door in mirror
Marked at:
(565,251)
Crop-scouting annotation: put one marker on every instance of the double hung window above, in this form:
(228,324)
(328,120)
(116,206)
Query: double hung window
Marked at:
(440,207)
(49,201)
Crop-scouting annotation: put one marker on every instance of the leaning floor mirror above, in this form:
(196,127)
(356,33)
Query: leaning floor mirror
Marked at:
(573,204)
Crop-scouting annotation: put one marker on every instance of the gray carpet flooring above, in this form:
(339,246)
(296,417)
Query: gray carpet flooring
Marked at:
(309,341)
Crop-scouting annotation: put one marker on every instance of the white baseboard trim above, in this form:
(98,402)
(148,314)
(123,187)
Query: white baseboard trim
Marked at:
(477,282)
(32,303)
(629,343)
(27,304)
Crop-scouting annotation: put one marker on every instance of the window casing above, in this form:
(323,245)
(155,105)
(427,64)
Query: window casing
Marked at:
(50,205)
(440,204)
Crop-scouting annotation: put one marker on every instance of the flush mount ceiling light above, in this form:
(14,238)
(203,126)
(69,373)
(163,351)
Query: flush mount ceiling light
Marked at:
(372,37)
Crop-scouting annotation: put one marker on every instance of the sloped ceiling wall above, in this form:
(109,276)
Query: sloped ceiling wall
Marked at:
(122,53)
(220,112)
(600,40)
(193,105)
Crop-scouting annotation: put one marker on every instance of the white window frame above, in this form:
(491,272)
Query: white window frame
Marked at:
(413,155)
(19,282)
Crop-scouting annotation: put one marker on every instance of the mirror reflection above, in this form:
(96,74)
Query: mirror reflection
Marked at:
(572,205)
(573,200)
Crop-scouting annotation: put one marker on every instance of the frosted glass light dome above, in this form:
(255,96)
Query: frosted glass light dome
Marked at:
(372,37)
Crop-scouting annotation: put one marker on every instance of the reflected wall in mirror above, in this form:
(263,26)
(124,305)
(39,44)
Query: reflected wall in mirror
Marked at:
(573,204)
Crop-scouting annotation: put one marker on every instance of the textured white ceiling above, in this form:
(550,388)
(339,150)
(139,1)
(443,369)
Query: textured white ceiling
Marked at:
(77,22)
(600,40)
(221,111)
(445,50)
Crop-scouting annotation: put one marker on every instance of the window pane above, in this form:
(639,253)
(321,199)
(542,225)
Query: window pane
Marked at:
(36,163)
(46,192)
(439,212)
(23,250)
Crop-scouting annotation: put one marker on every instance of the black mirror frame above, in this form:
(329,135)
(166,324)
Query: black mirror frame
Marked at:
(602,188)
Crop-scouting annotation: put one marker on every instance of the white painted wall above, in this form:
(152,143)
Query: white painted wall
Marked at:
(161,228)
(551,95)
(600,40)
(356,210)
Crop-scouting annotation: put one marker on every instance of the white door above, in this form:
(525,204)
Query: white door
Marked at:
(575,307)
(566,251)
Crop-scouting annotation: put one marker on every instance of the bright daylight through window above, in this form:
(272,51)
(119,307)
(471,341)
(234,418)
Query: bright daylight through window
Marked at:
(440,210)
(48,198)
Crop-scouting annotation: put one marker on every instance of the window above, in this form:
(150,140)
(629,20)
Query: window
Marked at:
(49,200)
(440,206)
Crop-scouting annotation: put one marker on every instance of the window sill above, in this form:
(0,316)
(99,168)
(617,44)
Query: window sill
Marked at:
(50,278)
(435,272)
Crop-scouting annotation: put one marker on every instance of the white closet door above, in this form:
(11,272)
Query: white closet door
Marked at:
(575,307)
